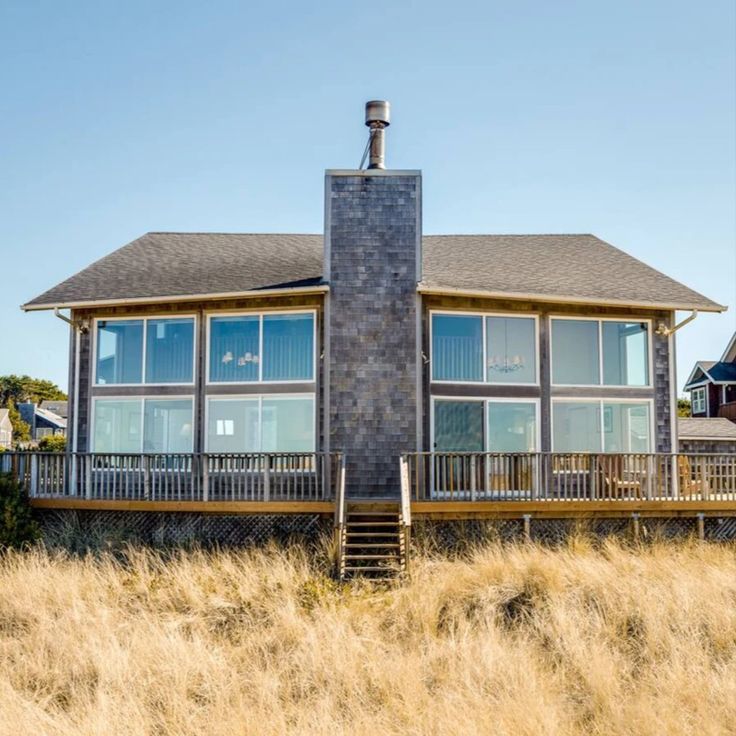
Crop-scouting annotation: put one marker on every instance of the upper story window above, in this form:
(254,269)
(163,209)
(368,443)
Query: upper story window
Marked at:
(484,348)
(267,347)
(698,401)
(592,352)
(150,350)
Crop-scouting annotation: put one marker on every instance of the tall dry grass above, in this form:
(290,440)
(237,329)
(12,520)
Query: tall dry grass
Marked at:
(514,640)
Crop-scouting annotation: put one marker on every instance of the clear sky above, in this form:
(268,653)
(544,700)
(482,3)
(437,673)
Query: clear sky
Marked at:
(616,118)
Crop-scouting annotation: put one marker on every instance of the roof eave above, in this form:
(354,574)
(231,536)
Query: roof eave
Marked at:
(558,299)
(253,293)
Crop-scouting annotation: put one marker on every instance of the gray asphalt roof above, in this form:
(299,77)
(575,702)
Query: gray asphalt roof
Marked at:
(699,428)
(579,268)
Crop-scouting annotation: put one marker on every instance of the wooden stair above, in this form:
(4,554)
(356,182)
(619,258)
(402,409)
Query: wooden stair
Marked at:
(372,540)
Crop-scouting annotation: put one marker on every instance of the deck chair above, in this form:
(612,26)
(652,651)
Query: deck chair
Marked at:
(619,480)
(690,484)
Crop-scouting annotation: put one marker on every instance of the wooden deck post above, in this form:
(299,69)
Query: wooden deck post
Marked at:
(266,478)
(88,476)
(527,527)
(205,477)
(635,526)
(34,475)
(701,526)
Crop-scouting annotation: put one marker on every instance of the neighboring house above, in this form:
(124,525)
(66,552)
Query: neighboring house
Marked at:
(712,385)
(60,408)
(42,422)
(373,339)
(6,430)
(716,435)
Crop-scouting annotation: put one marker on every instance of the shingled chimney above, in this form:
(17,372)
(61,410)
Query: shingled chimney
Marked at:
(373,233)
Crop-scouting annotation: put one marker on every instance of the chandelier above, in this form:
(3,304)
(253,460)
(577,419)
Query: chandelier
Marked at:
(506,365)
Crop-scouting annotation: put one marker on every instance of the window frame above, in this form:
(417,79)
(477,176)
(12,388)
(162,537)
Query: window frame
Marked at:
(601,320)
(234,397)
(484,337)
(145,319)
(141,400)
(485,400)
(599,401)
(260,313)
(699,391)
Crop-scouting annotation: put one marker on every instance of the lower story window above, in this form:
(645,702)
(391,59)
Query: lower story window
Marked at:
(601,426)
(142,425)
(485,425)
(261,424)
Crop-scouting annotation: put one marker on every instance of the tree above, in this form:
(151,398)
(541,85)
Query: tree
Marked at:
(52,443)
(17,527)
(24,388)
(683,407)
(21,429)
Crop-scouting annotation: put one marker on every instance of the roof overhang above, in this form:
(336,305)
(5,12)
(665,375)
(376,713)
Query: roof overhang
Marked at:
(177,298)
(705,439)
(560,299)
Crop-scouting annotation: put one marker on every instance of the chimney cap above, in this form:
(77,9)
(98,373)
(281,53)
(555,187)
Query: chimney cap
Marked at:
(378,112)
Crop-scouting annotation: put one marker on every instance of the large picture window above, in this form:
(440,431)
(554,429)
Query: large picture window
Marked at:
(261,347)
(485,425)
(147,350)
(142,425)
(261,424)
(600,352)
(484,348)
(601,426)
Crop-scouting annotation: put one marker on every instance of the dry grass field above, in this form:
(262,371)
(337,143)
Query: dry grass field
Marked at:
(510,640)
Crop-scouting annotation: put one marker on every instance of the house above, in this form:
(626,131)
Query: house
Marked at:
(60,408)
(42,422)
(6,430)
(515,370)
(706,435)
(712,385)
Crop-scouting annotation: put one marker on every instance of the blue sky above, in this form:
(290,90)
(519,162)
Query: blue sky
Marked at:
(616,118)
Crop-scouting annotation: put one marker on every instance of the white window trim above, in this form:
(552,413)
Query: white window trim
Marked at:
(600,402)
(600,320)
(484,336)
(145,319)
(259,397)
(260,313)
(485,400)
(141,400)
(698,392)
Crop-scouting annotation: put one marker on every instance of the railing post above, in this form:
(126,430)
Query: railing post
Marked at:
(34,475)
(146,461)
(473,466)
(205,460)
(266,477)
(88,476)
(71,481)
(675,477)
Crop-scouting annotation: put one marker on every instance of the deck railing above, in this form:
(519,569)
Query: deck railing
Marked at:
(434,476)
(302,476)
(728,411)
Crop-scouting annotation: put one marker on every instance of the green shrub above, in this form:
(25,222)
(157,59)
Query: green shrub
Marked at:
(17,527)
(52,443)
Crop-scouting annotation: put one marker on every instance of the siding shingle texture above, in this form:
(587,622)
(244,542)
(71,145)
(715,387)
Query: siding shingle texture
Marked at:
(371,328)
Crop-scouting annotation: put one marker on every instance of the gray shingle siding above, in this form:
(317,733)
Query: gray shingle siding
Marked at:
(373,239)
